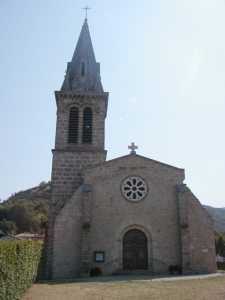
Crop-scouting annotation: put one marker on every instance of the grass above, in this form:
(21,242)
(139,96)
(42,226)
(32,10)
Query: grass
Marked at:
(123,288)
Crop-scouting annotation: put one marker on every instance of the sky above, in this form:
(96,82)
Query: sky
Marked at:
(163,63)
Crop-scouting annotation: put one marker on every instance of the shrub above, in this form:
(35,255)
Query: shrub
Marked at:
(18,267)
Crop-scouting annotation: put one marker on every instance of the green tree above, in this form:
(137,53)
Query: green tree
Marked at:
(21,216)
(8,227)
(220,246)
(3,212)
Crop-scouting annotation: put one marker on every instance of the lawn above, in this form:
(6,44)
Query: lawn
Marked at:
(130,288)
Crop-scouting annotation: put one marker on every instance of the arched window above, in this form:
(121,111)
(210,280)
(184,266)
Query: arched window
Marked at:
(73,126)
(87,126)
(82,69)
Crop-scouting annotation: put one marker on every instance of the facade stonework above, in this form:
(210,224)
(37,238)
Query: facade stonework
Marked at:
(91,213)
(197,234)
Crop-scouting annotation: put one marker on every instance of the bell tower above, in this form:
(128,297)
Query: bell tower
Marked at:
(80,129)
(81,112)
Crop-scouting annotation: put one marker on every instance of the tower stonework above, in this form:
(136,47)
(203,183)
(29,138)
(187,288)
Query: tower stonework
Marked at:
(84,146)
(70,159)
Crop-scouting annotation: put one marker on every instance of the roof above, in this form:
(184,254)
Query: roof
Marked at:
(83,72)
(131,156)
(29,236)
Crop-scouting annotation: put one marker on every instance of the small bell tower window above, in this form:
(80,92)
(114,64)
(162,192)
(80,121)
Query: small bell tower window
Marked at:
(87,126)
(73,126)
(83,71)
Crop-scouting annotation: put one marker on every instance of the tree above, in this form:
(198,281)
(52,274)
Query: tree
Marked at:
(22,217)
(3,212)
(220,246)
(8,227)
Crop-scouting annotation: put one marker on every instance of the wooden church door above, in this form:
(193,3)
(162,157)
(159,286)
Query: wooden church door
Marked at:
(135,250)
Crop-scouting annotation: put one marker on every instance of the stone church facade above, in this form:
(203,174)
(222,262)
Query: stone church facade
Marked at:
(130,214)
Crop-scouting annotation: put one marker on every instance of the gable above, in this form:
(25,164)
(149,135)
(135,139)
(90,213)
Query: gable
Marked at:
(135,164)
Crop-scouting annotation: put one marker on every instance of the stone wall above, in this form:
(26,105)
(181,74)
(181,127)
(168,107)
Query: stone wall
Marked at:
(70,159)
(66,172)
(156,215)
(96,218)
(197,235)
(67,239)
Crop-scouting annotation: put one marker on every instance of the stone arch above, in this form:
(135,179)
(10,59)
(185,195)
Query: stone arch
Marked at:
(149,243)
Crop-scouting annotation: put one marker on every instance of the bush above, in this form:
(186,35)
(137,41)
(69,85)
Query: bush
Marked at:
(18,267)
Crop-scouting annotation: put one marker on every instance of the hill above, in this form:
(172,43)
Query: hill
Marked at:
(218,215)
(26,211)
(37,193)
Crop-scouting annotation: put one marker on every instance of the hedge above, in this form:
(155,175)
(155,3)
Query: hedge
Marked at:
(18,267)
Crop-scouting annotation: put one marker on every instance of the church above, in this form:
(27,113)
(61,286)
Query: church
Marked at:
(128,215)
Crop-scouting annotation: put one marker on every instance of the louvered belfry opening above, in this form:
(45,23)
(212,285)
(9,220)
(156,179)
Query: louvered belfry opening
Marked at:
(73,126)
(87,126)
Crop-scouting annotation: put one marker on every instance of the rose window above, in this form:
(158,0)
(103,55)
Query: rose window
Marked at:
(134,188)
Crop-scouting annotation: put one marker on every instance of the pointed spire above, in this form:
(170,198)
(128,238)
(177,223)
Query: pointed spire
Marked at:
(83,72)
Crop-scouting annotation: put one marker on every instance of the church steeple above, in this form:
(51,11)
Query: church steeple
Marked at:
(80,129)
(83,72)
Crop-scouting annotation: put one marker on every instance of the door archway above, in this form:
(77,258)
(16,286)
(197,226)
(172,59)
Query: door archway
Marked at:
(135,250)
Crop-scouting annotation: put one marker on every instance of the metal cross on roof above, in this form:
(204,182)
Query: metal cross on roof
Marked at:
(132,147)
(86,8)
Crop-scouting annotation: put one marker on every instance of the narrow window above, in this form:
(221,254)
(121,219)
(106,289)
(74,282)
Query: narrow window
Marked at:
(82,69)
(73,126)
(87,126)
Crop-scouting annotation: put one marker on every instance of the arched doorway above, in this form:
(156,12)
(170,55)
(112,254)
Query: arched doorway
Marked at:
(135,250)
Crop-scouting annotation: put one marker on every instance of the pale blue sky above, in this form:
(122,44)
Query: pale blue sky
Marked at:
(162,61)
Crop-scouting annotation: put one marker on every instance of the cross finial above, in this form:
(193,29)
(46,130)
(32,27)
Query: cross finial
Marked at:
(86,8)
(132,147)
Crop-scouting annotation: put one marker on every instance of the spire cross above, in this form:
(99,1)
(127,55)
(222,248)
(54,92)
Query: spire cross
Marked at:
(132,147)
(86,8)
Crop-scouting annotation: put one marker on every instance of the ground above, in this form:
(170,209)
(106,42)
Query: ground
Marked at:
(122,288)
